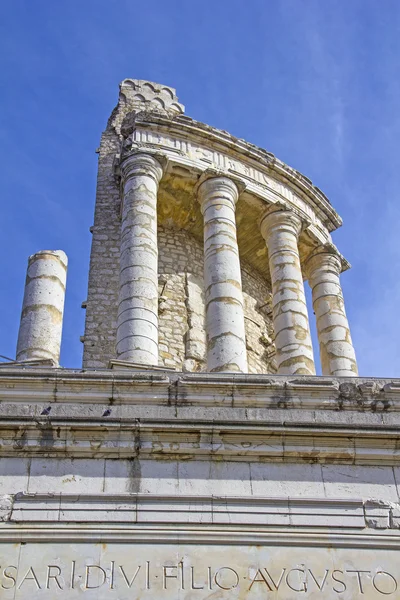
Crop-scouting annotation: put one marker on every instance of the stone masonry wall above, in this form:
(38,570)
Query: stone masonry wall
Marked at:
(102,299)
(181,304)
(180,273)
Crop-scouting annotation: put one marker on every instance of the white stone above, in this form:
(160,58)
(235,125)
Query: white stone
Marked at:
(336,348)
(225,330)
(137,324)
(43,307)
(294,353)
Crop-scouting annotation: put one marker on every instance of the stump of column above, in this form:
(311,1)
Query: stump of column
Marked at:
(137,323)
(337,353)
(225,330)
(294,353)
(40,329)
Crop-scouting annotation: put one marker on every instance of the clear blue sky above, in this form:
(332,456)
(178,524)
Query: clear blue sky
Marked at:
(316,82)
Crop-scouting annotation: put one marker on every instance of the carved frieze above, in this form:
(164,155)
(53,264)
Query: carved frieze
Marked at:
(197,156)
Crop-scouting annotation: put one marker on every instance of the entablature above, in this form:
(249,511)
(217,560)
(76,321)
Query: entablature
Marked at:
(204,146)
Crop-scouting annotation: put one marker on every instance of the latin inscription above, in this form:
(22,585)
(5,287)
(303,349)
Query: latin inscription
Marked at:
(143,571)
(178,577)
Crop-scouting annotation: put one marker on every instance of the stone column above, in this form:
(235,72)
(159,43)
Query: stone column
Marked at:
(137,323)
(40,330)
(225,333)
(294,353)
(337,354)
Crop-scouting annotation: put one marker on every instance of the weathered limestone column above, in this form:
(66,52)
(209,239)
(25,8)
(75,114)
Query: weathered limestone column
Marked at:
(225,332)
(294,353)
(137,323)
(43,307)
(337,354)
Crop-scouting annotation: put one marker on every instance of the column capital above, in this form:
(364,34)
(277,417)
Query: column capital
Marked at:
(218,188)
(279,218)
(323,258)
(141,163)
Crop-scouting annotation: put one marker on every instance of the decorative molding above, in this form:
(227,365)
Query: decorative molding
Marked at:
(121,413)
(264,175)
(234,514)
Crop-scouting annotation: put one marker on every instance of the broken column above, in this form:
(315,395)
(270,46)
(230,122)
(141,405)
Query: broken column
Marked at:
(40,330)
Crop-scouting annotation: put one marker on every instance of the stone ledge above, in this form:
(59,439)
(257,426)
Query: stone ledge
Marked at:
(128,386)
(230,511)
(171,438)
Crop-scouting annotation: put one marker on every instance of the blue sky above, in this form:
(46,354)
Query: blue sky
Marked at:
(316,82)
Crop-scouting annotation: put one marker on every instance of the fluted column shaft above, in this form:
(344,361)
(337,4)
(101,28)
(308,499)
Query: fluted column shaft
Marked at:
(337,354)
(225,332)
(137,324)
(294,353)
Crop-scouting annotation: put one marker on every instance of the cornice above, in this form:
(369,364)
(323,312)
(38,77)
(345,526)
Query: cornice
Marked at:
(176,416)
(188,129)
(197,535)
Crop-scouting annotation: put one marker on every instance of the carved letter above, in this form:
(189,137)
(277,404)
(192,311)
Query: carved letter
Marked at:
(32,578)
(231,587)
(55,577)
(7,576)
(276,585)
(209,578)
(262,580)
(87,575)
(338,581)
(394,582)
(147,574)
(112,568)
(168,576)
(303,583)
(320,586)
(359,578)
(129,583)
(193,585)
(72,574)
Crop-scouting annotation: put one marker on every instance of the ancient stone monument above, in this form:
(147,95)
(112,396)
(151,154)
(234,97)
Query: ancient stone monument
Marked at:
(196,454)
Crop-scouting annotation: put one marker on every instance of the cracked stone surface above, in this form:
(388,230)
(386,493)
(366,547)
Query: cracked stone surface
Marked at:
(137,322)
(225,331)
(294,352)
(335,345)
(43,307)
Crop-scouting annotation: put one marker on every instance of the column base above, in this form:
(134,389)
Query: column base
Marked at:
(123,365)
